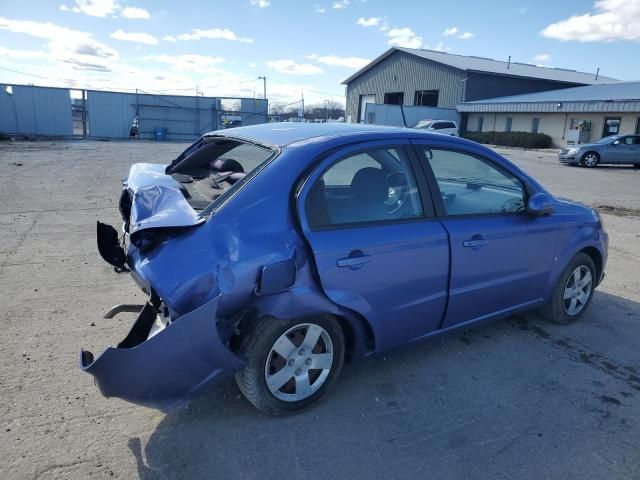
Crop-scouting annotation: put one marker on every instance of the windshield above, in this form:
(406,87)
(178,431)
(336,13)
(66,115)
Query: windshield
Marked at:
(607,140)
(214,168)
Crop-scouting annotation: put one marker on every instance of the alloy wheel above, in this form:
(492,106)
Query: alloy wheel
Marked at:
(577,290)
(591,160)
(299,362)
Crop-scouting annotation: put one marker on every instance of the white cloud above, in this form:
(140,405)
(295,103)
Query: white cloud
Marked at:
(404,37)
(64,8)
(319,9)
(613,20)
(216,33)
(71,47)
(260,3)
(96,8)
(335,61)
(541,58)
(368,22)
(187,63)
(135,12)
(291,67)
(136,37)
(441,47)
(451,31)
(340,4)
(22,54)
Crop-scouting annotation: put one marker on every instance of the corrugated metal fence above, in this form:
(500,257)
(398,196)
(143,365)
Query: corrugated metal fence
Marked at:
(48,111)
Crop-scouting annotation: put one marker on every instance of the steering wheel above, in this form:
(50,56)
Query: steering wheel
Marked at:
(398,190)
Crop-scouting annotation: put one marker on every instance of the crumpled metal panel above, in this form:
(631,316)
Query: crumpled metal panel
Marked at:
(157,200)
(170,367)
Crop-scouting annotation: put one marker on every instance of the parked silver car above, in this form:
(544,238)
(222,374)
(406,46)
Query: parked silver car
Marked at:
(621,149)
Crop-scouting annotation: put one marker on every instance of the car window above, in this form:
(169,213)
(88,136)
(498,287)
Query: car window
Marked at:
(373,186)
(448,125)
(628,140)
(470,185)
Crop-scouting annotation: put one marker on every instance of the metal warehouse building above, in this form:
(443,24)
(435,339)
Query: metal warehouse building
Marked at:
(580,114)
(405,76)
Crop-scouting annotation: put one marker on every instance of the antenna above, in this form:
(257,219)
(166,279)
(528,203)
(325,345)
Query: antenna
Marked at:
(509,62)
(597,73)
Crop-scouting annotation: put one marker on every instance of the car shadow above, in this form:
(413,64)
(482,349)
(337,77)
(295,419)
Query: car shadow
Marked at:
(424,408)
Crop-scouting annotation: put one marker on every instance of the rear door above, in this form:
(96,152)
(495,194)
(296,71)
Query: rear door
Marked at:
(377,247)
(501,257)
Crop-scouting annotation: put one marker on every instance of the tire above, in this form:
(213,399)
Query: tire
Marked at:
(558,309)
(590,160)
(303,385)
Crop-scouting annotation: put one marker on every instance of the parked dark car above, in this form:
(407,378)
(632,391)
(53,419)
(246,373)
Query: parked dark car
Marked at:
(275,252)
(620,149)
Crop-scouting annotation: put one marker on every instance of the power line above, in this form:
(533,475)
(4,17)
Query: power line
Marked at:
(24,73)
(311,89)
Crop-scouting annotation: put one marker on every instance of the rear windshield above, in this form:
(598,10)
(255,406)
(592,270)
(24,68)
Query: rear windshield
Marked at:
(214,168)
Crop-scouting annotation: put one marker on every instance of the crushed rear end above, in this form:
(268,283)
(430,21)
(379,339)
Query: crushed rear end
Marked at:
(174,347)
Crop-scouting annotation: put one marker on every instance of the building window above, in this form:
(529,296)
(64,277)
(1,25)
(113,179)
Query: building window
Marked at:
(611,126)
(638,126)
(426,98)
(535,123)
(508,123)
(394,98)
(480,122)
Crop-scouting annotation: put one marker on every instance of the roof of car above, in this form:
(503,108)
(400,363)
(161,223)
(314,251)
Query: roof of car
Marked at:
(287,133)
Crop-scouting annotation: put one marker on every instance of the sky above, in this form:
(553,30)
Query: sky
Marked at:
(220,48)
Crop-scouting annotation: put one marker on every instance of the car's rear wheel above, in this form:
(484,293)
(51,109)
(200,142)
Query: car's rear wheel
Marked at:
(590,160)
(573,292)
(290,363)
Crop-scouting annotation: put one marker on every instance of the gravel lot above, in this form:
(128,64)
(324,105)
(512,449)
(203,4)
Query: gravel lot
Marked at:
(520,398)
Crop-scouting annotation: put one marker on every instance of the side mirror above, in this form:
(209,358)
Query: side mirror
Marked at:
(540,204)
(617,142)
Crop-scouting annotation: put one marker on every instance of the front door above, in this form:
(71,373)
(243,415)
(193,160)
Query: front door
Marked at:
(376,246)
(501,257)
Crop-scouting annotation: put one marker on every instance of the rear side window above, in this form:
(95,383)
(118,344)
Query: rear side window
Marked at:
(473,186)
(373,186)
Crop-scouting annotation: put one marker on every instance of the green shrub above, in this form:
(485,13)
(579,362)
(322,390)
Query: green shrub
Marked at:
(511,139)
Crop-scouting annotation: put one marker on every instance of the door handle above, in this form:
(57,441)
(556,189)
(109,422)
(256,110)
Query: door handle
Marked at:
(475,242)
(353,261)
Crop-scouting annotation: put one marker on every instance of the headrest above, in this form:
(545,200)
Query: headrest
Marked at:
(370,185)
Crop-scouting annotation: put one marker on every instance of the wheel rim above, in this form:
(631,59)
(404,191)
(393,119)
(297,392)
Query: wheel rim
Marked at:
(591,160)
(577,290)
(299,362)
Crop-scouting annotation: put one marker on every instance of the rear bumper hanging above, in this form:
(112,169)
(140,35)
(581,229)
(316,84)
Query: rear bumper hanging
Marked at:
(169,368)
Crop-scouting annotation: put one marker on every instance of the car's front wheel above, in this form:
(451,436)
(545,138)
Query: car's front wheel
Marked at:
(590,160)
(573,291)
(290,363)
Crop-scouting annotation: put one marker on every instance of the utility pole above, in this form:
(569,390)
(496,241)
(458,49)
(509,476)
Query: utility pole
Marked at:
(326,109)
(264,86)
(302,104)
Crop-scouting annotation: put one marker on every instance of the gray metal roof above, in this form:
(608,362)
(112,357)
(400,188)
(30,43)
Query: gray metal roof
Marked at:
(488,65)
(607,97)
(608,92)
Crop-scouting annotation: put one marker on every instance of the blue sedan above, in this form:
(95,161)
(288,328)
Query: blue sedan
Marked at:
(276,252)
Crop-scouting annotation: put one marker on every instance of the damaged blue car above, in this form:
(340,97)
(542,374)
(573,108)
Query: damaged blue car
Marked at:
(277,252)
